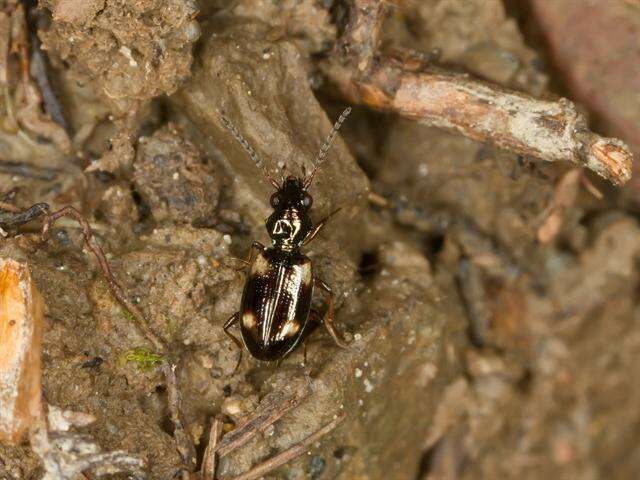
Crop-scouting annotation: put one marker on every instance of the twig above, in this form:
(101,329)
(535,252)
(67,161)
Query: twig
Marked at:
(361,36)
(208,470)
(270,410)
(40,69)
(25,170)
(474,298)
(10,219)
(289,454)
(551,130)
(185,445)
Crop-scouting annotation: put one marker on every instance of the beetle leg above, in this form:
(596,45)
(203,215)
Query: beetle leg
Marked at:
(254,246)
(328,318)
(312,322)
(312,234)
(228,324)
(257,246)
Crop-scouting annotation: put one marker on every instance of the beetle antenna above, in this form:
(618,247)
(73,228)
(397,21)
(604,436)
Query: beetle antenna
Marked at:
(324,148)
(247,148)
(284,171)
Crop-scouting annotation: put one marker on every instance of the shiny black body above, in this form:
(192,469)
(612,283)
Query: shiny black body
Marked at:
(276,303)
(275,312)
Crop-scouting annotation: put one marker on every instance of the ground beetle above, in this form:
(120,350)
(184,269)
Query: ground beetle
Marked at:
(275,313)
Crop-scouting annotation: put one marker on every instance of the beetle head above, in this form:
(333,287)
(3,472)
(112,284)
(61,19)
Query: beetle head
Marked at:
(289,224)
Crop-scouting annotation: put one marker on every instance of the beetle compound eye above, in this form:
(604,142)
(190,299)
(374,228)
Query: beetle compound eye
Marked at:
(307,201)
(275,200)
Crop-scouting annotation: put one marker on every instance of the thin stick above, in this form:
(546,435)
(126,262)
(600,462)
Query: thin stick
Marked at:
(10,219)
(174,397)
(552,130)
(208,470)
(289,454)
(270,410)
(26,170)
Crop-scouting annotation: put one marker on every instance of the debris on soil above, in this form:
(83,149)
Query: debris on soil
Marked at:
(119,154)
(11,219)
(291,453)
(23,98)
(270,410)
(174,180)
(133,51)
(66,455)
(490,305)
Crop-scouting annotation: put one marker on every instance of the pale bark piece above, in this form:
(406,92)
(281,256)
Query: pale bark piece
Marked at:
(21,317)
(405,84)
(552,130)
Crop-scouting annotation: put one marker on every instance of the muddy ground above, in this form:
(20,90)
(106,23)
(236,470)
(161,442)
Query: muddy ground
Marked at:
(487,340)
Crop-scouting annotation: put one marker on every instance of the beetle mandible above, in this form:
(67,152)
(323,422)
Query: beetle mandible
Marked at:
(275,312)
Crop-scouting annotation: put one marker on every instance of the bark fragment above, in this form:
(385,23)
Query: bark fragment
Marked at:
(551,130)
(21,316)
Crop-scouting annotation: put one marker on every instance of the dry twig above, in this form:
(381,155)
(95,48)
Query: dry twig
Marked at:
(185,445)
(66,454)
(551,130)
(26,170)
(270,410)
(208,470)
(289,454)
(10,219)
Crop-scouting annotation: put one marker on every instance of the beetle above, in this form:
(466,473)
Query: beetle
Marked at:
(275,312)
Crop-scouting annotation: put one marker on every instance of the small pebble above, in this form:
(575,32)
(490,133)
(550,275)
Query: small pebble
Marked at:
(368,386)
(231,406)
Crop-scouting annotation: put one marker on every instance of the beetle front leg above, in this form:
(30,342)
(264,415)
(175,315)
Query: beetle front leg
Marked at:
(228,324)
(254,246)
(328,318)
(312,234)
